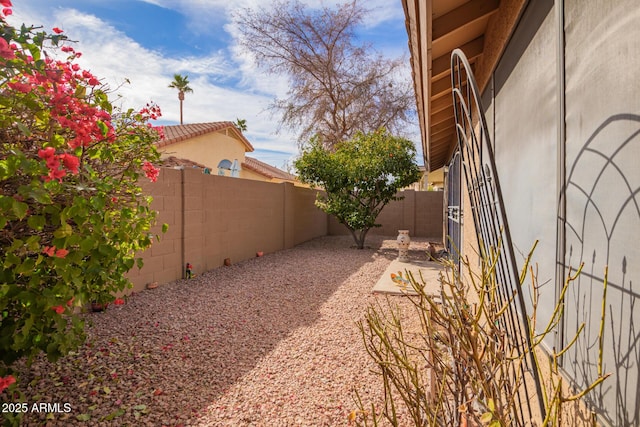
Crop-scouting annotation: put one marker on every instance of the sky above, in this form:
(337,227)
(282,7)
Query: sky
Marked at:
(136,46)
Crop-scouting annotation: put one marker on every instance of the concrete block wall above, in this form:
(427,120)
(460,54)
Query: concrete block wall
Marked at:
(420,212)
(213,217)
(160,261)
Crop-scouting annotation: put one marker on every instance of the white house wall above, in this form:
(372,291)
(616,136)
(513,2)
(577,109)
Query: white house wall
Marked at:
(602,59)
(523,123)
(563,112)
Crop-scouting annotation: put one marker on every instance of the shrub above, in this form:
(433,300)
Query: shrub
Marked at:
(359,177)
(461,367)
(72,213)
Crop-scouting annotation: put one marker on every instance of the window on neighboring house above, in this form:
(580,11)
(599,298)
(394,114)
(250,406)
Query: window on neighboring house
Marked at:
(224,165)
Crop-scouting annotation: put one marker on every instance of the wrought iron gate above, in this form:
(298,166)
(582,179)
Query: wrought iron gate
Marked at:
(490,220)
(454,210)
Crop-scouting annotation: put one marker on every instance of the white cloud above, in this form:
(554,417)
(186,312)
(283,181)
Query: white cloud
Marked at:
(115,58)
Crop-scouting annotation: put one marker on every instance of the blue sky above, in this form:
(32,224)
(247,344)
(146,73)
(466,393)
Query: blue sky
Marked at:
(147,41)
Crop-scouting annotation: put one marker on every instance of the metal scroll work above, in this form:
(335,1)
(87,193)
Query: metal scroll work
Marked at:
(492,229)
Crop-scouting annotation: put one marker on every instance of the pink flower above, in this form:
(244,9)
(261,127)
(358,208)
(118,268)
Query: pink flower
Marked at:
(55,175)
(70,302)
(6,11)
(58,309)
(6,51)
(6,382)
(46,153)
(118,301)
(57,30)
(61,253)
(160,130)
(6,3)
(53,163)
(19,86)
(53,252)
(71,162)
(151,171)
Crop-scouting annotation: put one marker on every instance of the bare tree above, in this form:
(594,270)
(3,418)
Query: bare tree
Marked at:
(336,87)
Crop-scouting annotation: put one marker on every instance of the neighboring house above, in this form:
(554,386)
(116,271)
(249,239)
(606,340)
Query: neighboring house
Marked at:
(177,163)
(558,85)
(255,169)
(218,148)
(435,179)
(429,181)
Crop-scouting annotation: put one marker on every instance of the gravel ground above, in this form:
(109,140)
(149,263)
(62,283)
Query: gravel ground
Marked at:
(270,341)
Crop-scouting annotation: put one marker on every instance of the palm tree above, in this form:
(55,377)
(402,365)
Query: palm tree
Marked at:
(182,84)
(241,124)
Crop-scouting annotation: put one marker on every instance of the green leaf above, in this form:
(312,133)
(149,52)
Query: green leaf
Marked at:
(103,127)
(24,129)
(486,418)
(83,417)
(87,244)
(64,231)
(19,209)
(37,222)
(40,196)
(81,91)
(26,266)
(114,415)
(165,227)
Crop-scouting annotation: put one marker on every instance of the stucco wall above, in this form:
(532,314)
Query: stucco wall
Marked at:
(564,115)
(208,149)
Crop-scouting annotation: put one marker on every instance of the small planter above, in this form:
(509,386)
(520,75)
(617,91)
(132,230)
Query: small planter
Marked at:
(98,306)
(152,285)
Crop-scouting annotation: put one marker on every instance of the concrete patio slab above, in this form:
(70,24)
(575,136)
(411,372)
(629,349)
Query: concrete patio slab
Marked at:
(430,271)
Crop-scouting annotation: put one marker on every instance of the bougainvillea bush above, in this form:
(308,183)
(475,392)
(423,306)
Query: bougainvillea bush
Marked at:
(72,214)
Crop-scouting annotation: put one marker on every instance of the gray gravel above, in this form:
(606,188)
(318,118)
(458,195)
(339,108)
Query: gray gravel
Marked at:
(270,341)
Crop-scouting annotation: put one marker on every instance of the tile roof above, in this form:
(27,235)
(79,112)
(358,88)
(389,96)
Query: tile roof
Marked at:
(266,170)
(173,161)
(178,133)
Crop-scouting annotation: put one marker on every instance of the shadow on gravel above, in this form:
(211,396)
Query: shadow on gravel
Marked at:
(163,357)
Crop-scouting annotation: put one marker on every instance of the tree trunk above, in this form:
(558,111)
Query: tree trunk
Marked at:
(359,236)
(181,98)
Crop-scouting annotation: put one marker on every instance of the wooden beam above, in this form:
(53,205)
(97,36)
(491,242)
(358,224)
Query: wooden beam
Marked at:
(440,87)
(441,116)
(463,15)
(442,126)
(442,103)
(442,131)
(442,65)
